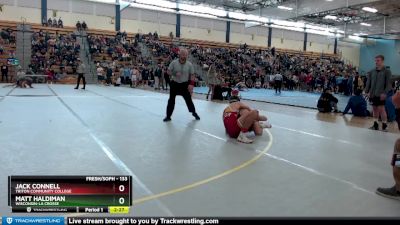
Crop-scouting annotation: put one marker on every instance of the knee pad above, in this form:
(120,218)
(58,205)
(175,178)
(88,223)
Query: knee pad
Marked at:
(396,160)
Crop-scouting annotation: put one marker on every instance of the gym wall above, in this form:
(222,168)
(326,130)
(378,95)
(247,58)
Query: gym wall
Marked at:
(389,48)
(101,16)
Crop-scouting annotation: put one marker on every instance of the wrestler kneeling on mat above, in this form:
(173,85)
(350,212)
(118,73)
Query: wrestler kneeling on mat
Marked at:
(239,119)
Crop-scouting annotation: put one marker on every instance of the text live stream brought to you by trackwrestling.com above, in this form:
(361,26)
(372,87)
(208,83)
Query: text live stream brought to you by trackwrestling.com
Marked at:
(105,221)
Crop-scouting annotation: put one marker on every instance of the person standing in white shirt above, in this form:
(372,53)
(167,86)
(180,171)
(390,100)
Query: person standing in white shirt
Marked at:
(278,78)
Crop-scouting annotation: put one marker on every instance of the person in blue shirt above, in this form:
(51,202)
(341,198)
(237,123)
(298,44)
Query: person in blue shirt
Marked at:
(127,76)
(389,107)
(358,105)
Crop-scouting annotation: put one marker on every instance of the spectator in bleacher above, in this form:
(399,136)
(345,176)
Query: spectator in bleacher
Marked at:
(162,79)
(50,76)
(84,26)
(134,77)
(192,83)
(78,26)
(5,35)
(145,75)
(4,72)
(49,22)
(278,79)
(1,50)
(127,75)
(157,77)
(167,79)
(60,23)
(81,74)
(100,74)
(358,83)
(151,78)
(30,70)
(109,74)
(350,82)
(44,22)
(124,35)
(118,36)
(110,51)
(117,81)
(20,74)
(12,38)
(55,24)
(258,83)
(211,80)
(358,105)
(327,102)
(137,37)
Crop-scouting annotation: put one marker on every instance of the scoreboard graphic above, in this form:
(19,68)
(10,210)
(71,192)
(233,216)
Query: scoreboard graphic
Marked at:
(90,194)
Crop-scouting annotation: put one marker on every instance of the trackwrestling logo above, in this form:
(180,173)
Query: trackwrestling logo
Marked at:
(33,220)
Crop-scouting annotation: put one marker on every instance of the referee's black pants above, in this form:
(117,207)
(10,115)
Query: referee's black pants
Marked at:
(278,86)
(179,89)
(80,76)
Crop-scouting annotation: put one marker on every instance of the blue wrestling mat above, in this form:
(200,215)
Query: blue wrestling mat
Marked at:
(292,98)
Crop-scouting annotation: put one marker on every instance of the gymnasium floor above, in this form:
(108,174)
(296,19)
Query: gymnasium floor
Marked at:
(306,165)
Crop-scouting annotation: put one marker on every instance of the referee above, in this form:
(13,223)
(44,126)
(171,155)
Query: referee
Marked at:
(180,71)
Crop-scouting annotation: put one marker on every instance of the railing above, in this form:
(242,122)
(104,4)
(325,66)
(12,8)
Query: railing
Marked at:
(85,51)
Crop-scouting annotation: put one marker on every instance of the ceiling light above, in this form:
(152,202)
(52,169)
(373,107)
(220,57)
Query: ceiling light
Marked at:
(284,7)
(330,17)
(369,9)
(365,24)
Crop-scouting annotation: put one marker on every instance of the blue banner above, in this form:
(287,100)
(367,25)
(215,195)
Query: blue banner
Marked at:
(16,220)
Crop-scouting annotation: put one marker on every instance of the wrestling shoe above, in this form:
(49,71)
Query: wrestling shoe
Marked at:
(265,124)
(392,192)
(242,138)
(196,116)
(167,119)
(375,126)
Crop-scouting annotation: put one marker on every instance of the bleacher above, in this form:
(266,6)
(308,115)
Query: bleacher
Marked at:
(8,51)
(163,39)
